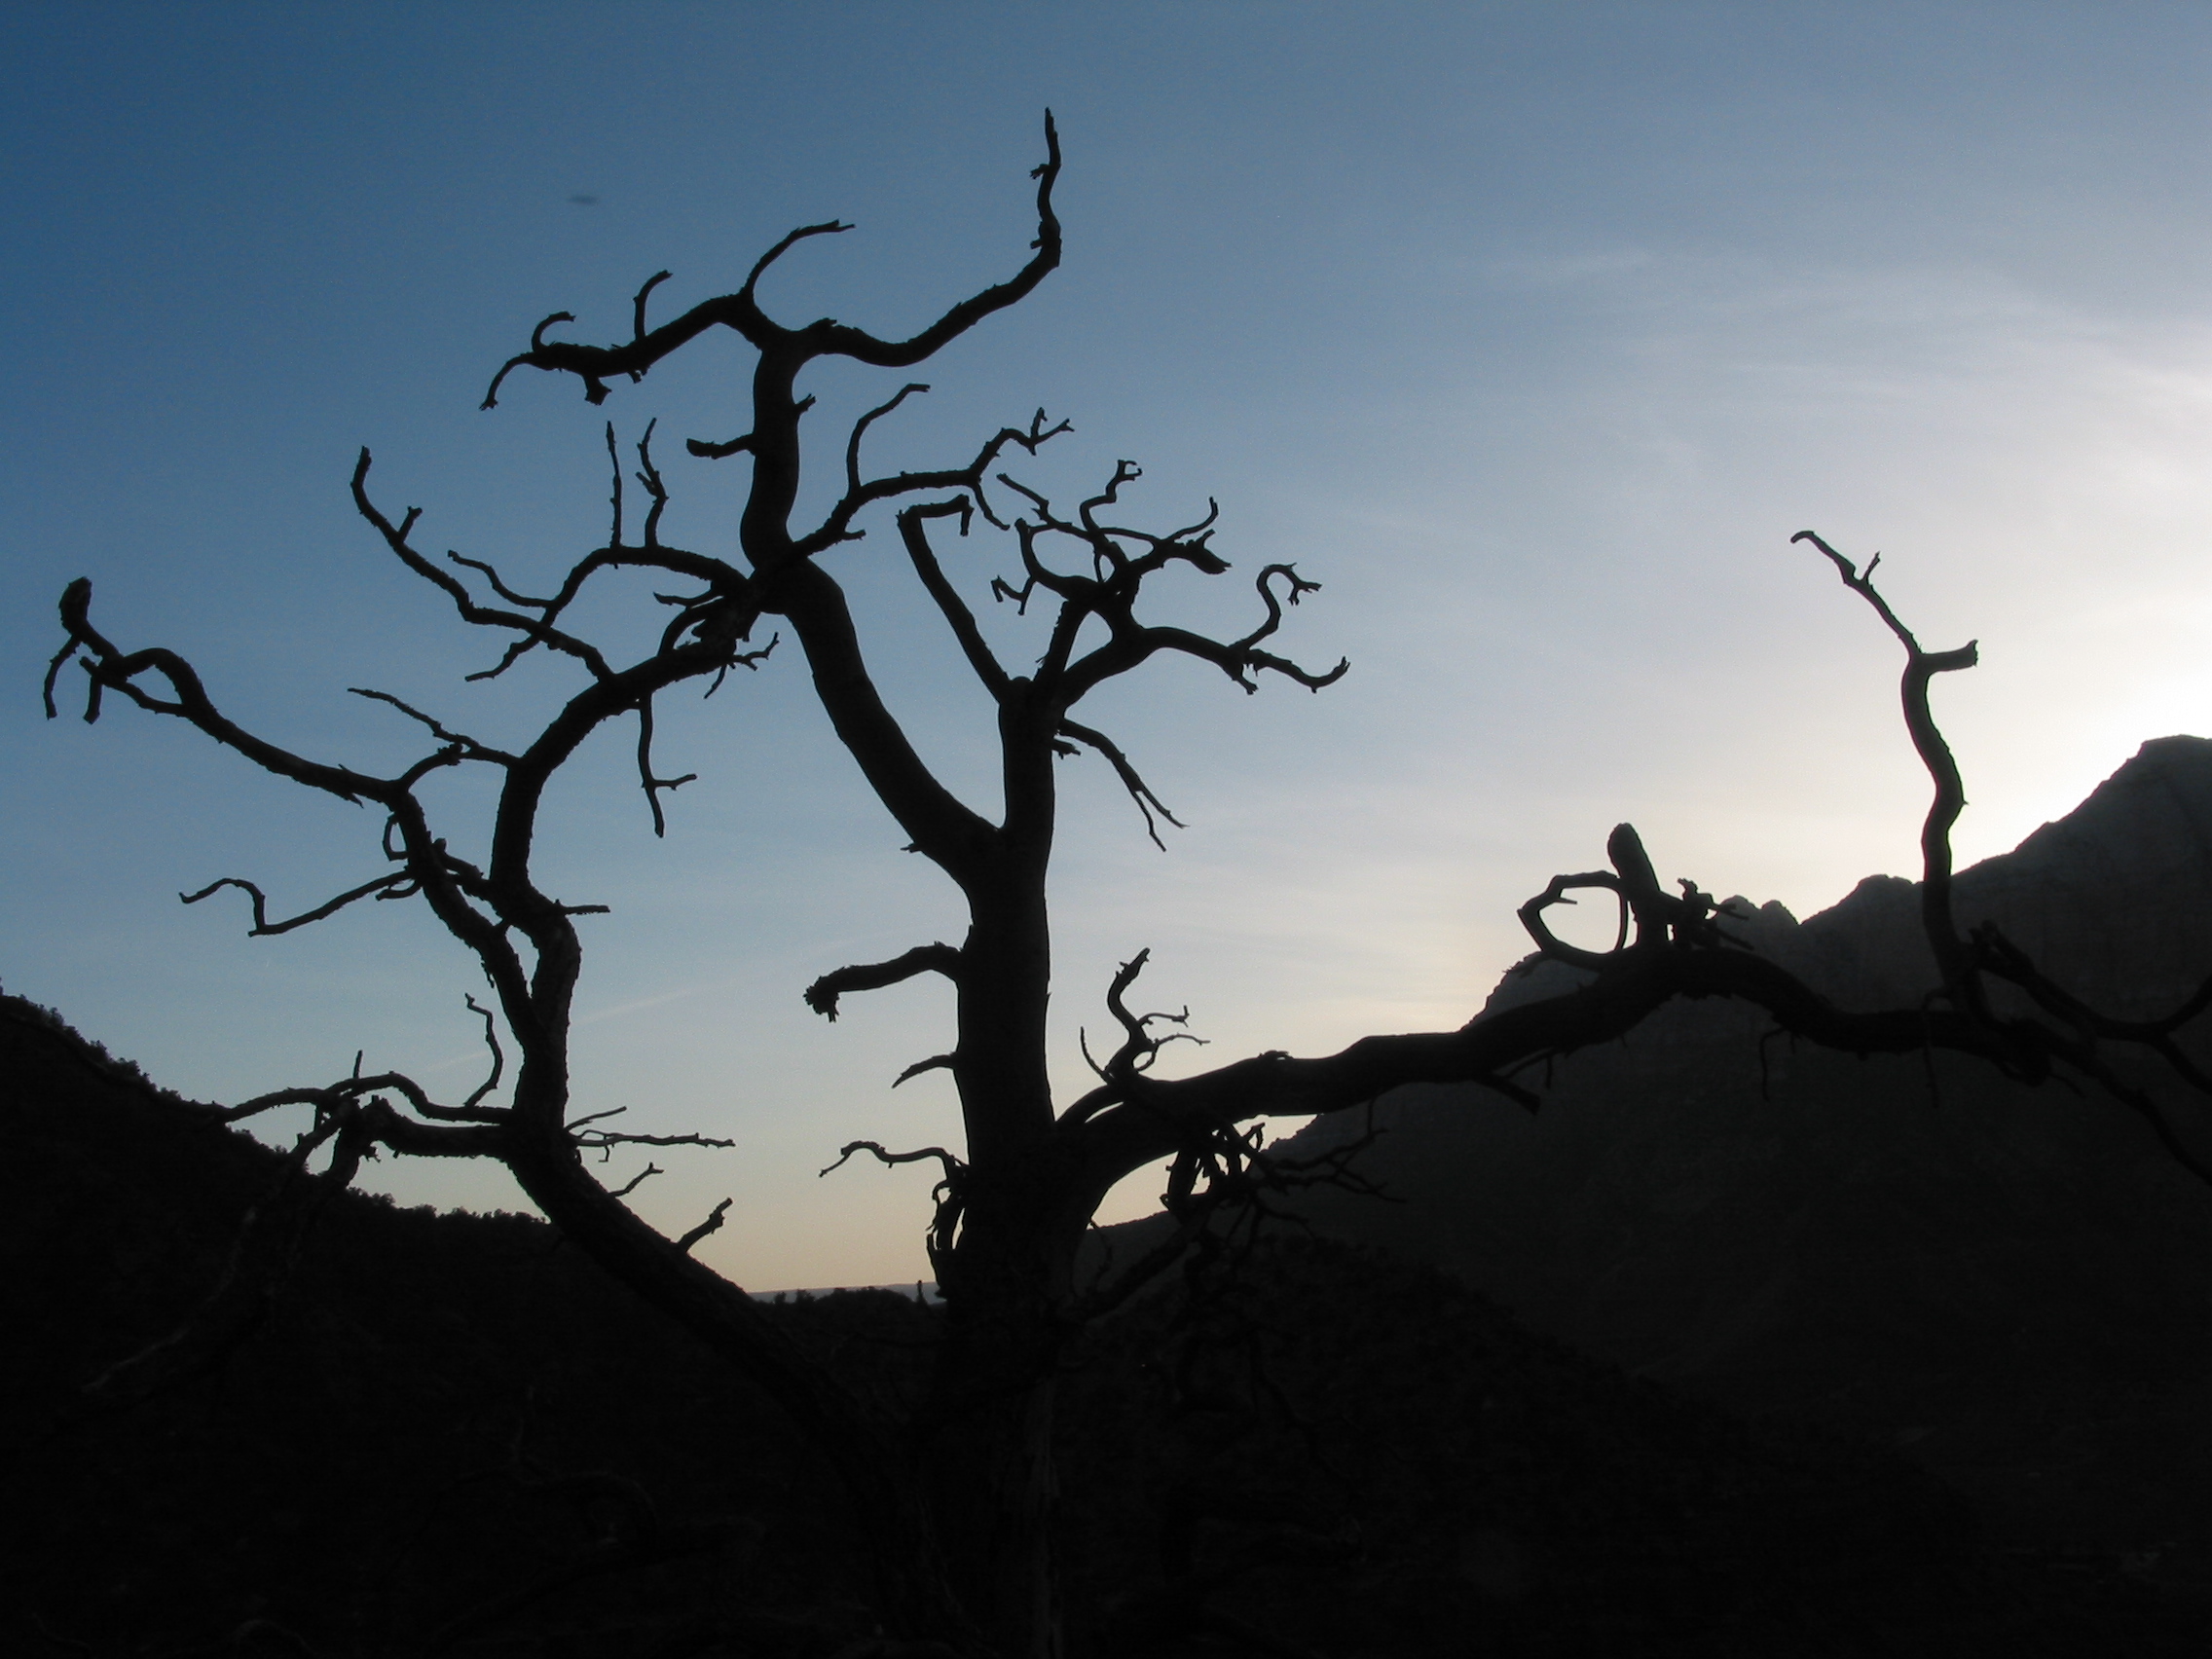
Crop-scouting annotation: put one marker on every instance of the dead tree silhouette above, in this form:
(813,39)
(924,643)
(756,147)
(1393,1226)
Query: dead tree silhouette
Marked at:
(957,1500)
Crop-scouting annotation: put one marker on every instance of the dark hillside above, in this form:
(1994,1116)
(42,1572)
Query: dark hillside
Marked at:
(438,1411)
(450,1435)
(1368,1459)
(2013,1284)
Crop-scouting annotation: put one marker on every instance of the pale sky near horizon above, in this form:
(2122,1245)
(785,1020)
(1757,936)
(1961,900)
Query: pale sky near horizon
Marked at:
(1532,331)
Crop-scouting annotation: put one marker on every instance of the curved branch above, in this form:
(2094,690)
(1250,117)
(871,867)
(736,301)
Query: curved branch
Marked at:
(1550,943)
(860,431)
(936,1062)
(790,240)
(1140,790)
(637,306)
(901,353)
(499,1055)
(1296,585)
(952,1167)
(498,585)
(821,996)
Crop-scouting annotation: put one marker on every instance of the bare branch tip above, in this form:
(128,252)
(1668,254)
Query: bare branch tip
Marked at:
(713,1224)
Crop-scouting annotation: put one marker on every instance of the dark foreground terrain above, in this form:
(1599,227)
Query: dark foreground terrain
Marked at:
(449,1434)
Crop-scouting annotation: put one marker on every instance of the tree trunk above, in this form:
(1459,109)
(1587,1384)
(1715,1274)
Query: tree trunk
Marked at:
(992,1489)
(987,1446)
(916,1593)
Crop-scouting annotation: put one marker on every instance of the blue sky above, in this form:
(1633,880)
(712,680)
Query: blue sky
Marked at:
(1533,332)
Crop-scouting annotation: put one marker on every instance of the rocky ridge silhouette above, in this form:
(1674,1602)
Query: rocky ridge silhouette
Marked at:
(2013,1285)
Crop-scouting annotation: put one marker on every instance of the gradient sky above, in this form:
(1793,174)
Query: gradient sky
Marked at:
(1533,332)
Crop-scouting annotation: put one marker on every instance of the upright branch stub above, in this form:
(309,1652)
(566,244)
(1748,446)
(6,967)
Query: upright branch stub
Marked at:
(1140,1046)
(713,1224)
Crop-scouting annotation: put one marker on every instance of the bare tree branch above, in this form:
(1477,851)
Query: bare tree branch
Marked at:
(1952,956)
(949,1197)
(595,366)
(636,1181)
(471,748)
(821,996)
(534,630)
(836,527)
(490,1041)
(1140,792)
(958,618)
(950,1165)
(934,1062)
(397,885)
(713,1224)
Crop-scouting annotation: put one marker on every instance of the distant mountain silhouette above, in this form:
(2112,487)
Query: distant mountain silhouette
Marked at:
(2016,1284)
